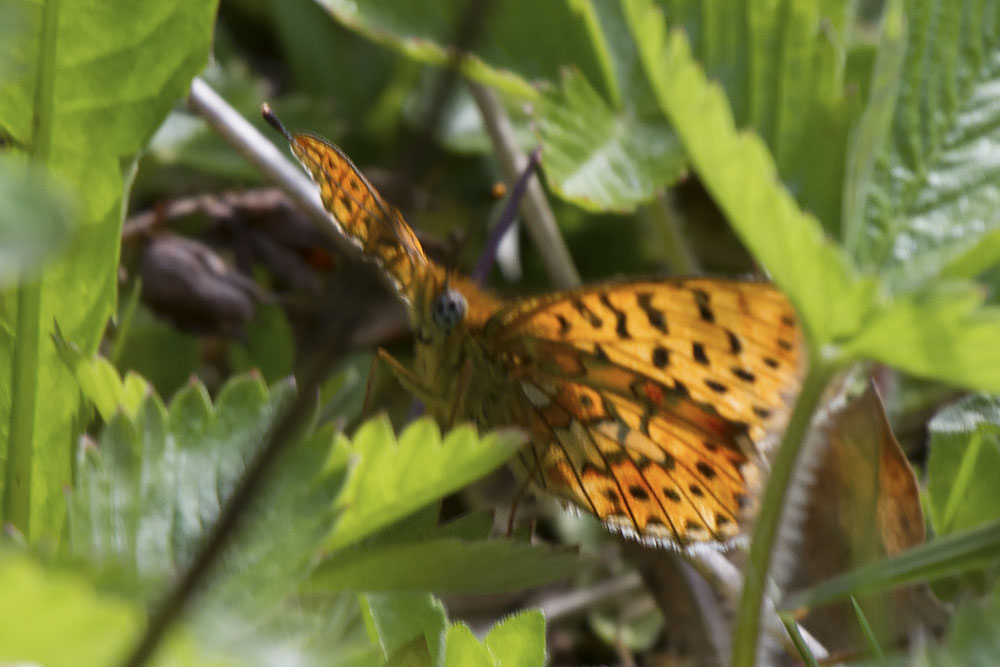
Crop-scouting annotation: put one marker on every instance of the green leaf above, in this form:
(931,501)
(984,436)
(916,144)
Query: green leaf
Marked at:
(971,637)
(148,492)
(464,650)
(741,175)
(394,479)
(87,85)
(942,331)
(398,618)
(269,345)
(154,484)
(35,219)
(515,641)
(934,197)
(943,557)
(872,128)
(601,158)
(100,383)
(522,41)
(37,604)
(519,639)
(445,565)
(781,65)
(611,152)
(964,464)
(158,352)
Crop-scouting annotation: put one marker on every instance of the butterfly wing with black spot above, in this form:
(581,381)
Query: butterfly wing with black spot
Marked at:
(647,401)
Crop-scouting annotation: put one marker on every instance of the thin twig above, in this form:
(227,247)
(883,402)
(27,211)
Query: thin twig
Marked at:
(538,216)
(558,607)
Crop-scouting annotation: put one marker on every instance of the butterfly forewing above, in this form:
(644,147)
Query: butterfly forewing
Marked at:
(362,214)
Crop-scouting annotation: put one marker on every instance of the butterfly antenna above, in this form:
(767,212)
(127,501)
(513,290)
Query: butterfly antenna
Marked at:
(273,121)
(507,217)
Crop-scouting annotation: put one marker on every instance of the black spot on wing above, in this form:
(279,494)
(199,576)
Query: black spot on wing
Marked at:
(701,298)
(587,314)
(621,324)
(656,318)
(734,343)
(717,387)
(698,352)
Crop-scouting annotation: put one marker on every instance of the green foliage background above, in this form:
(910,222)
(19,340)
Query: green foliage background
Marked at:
(854,159)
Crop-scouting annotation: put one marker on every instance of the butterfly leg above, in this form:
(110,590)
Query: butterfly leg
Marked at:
(465,375)
(403,374)
(522,489)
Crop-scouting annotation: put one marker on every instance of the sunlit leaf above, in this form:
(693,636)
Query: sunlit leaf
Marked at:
(391,480)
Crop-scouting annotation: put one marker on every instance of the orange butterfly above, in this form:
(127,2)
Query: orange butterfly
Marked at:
(648,402)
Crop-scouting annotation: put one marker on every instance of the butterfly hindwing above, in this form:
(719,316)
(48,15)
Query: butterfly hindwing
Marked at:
(650,476)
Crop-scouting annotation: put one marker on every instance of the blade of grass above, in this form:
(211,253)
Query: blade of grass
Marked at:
(866,629)
(944,557)
(798,641)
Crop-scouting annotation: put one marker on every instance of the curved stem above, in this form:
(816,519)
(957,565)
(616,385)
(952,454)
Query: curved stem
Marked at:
(748,620)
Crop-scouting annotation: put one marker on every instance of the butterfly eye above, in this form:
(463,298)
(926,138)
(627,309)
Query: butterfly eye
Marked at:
(449,309)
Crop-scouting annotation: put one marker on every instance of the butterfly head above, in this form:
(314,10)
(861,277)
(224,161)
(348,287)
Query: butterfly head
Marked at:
(448,308)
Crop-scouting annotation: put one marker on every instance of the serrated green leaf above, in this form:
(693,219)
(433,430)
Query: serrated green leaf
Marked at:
(100,383)
(934,196)
(445,565)
(146,495)
(152,487)
(394,479)
(964,464)
(464,650)
(37,604)
(601,158)
(518,640)
(396,619)
(738,171)
(104,86)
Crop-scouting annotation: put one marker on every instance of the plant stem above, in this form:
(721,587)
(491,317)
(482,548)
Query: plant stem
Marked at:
(748,619)
(666,224)
(538,217)
(24,372)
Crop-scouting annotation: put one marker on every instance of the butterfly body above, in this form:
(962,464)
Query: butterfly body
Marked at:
(649,404)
